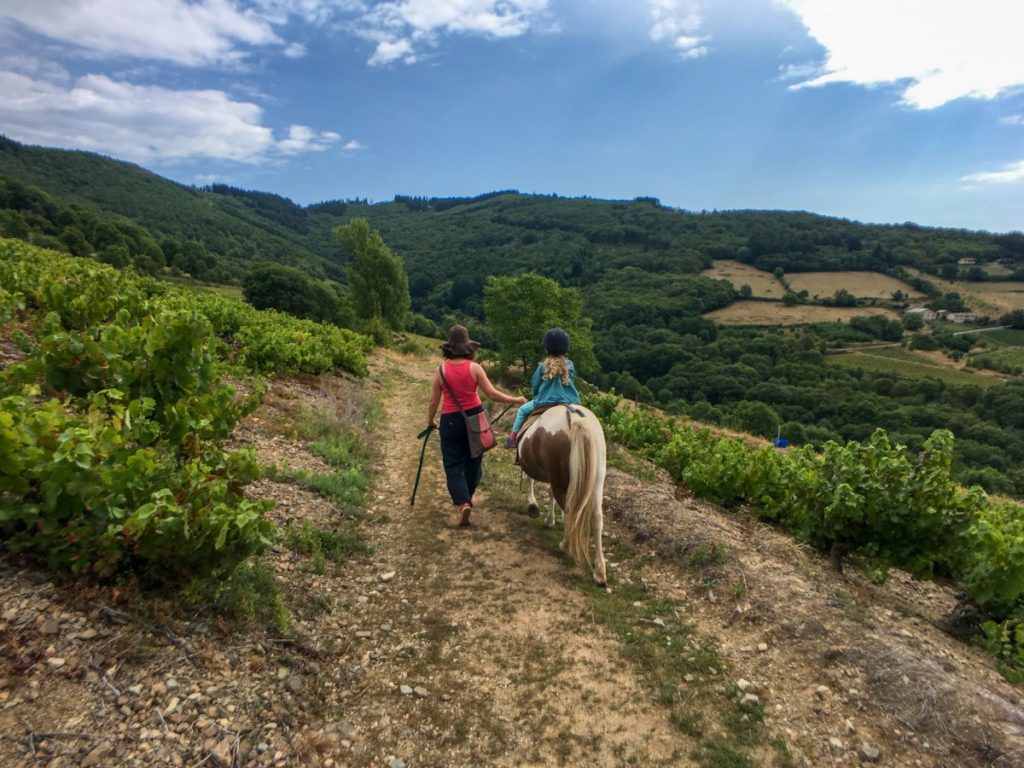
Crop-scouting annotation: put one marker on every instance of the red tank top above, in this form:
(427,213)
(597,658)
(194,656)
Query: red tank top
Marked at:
(459,377)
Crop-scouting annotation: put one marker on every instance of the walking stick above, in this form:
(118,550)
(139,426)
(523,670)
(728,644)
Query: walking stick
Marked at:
(424,436)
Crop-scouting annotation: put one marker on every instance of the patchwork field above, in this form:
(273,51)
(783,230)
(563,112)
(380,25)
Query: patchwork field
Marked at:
(864,285)
(762,284)
(777,313)
(993,298)
(912,366)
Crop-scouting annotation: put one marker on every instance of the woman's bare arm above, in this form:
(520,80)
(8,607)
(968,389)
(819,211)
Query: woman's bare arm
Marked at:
(435,400)
(489,389)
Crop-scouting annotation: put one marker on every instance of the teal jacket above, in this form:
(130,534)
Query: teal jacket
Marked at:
(552,390)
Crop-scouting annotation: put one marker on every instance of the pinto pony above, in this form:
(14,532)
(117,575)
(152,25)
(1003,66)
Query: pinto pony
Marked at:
(565,447)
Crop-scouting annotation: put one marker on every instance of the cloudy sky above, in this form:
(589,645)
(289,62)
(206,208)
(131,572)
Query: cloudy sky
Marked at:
(877,110)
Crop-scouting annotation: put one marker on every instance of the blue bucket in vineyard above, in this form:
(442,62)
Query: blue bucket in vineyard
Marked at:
(781,442)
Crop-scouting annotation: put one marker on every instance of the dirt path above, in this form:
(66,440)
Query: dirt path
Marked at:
(720,643)
(495,626)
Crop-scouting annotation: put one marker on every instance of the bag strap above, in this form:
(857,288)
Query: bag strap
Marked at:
(444,381)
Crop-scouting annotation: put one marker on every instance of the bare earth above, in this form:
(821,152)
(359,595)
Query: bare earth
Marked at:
(482,646)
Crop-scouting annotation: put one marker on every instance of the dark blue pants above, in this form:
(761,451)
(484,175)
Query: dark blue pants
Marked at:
(461,471)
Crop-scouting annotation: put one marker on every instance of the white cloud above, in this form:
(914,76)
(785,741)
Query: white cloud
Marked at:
(302,138)
(144,122)
(1012,120)
(353,145)
(392,50)
(678,22)
(316,12)
(31,65)
(401,27)
(1013,172)
(189,33)
(935,51)
(205,32)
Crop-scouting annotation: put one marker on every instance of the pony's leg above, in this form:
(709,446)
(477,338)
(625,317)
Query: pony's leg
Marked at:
(550,520)
(533,510)
(597,528)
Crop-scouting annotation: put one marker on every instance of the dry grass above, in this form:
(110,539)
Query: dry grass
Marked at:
(763,284)
(864,285)
(776,313)
(993,298)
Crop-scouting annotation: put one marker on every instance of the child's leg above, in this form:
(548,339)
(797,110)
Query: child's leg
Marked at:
(524,410)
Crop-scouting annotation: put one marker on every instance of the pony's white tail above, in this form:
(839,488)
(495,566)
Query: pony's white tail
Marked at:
(579,498)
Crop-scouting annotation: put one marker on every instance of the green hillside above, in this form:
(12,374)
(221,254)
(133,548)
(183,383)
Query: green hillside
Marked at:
(234,233)
(637,265)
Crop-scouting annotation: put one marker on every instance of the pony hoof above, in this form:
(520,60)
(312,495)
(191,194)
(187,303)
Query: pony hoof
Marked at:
(533,511)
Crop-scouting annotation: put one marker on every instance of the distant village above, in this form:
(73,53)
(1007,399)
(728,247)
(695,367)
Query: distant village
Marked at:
(933,315)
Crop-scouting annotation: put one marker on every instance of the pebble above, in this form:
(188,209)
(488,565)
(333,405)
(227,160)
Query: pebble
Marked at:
(762,647)
(420,691)
(293,684)
(51,627)
(405,690)
(836,745)
(396,763)
(171,683)
(386,577)
(96,756)
(869,754)
(87,634)
(749,701)
(56,661)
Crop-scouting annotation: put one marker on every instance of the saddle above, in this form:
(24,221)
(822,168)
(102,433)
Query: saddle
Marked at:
(540,410)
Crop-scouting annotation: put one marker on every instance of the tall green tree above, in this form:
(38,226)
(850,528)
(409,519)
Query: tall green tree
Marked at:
(276,286)
(378,283)
(520,309)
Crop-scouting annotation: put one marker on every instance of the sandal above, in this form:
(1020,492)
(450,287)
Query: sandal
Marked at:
(465,509)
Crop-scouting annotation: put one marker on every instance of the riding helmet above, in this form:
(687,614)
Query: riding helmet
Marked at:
(556,342)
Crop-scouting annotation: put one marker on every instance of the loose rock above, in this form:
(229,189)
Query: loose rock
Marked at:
(869,754)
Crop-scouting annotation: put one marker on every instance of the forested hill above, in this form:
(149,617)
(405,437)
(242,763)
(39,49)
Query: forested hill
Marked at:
(637,265)
(211,236)
(220,232)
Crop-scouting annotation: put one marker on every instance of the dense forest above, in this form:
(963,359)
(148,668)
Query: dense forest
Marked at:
(637,265)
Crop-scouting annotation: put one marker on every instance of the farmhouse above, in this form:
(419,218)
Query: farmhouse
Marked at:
(967,260)
(959,317)
(923,312)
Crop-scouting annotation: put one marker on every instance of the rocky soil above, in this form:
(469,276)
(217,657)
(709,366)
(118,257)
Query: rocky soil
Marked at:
(721,642)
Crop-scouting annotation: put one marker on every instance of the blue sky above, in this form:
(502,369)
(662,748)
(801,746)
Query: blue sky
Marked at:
(876,110)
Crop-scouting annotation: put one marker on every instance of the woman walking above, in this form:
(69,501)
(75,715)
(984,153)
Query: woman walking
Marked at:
(463,381)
